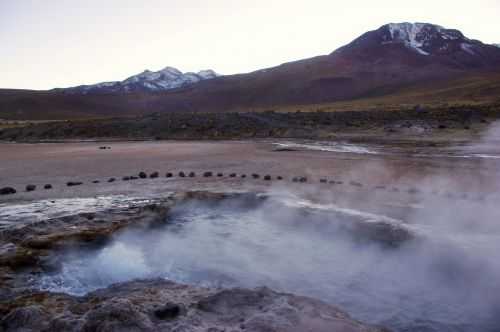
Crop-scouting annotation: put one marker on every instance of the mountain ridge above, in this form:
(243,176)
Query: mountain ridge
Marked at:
(154,81)
(378,64)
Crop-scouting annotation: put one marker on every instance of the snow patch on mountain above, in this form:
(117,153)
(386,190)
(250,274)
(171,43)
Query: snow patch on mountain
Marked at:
(423,37)
(153,81)
(468,48)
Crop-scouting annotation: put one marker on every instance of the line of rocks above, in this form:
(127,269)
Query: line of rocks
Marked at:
(255,176)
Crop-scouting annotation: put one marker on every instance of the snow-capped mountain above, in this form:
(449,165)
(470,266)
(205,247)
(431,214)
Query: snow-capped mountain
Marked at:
(427,40)
(149,81)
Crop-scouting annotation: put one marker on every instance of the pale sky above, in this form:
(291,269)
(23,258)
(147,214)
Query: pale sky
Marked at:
(61,43)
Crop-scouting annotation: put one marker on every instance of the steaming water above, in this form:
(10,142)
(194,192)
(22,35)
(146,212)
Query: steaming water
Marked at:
(436,284)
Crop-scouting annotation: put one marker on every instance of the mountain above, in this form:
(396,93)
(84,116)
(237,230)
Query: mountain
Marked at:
(388,63)
(147,81)
(430,44)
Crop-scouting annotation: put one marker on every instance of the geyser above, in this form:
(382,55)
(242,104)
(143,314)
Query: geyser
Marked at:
(431,282)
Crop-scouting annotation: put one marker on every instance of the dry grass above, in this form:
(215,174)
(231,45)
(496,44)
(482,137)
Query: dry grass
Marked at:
(472,91)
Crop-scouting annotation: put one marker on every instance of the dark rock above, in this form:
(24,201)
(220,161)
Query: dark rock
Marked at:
(143,175)
(169,175)
(295,179)
(111,180)
(220,175)
(279,177)
(192,174)
(117,315)
(73,183)
(134,178)
(169,311)
(303,179)
(267,178)
(182,174)
(30,187)
(30,318)
(323,181)
(7,191)
(126,178)
(154,175)
(47,187)
(284,150)
(243,176)
(255,176)
(232,175)
(96,181)
(413,191)
(207,174)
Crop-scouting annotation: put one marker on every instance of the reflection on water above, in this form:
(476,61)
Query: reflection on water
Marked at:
(436,284)
(449,151)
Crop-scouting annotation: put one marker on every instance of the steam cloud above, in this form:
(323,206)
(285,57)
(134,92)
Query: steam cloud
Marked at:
(445,279)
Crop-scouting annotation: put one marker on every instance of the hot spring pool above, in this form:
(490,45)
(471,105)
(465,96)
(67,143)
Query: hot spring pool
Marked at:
(424,285)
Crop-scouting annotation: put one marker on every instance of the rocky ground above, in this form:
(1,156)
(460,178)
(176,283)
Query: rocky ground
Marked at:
(270,124)
(140,305)
(414,173)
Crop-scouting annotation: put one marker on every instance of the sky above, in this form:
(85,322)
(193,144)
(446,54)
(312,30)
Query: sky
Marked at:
(61,43)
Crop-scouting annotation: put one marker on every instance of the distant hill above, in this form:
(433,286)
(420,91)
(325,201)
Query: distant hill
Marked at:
(391,63)
(147,81)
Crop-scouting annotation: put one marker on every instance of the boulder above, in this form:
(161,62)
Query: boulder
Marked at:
(154,175)
(255,176)
(243,176)
(134,178)
(182,174)
(7,191)
(267,178)
(143,175)
(232,175)
(126,178)
(207,174)
(220,175)
(30,187)
(303,179)
(73,183)
(111,180)
(169,175)
(279,177)
(47,187)
(323,181)
(413,191)
(192,174)
(96,181)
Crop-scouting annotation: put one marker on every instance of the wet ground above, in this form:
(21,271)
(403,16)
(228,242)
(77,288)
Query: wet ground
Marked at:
(443,192)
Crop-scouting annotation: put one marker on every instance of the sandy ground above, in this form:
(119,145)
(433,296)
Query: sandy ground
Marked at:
(58,163)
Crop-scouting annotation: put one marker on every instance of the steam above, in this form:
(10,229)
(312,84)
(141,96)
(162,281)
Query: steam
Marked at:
(444,278)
